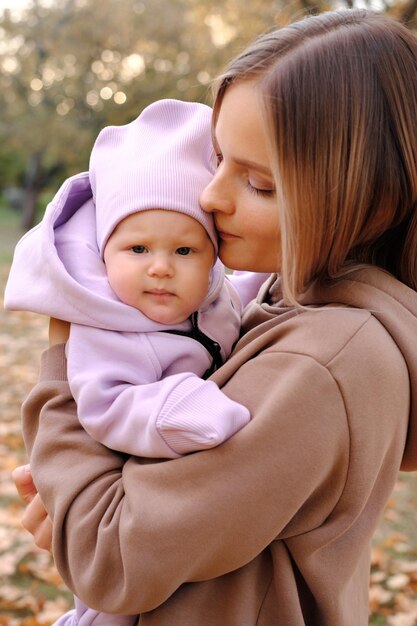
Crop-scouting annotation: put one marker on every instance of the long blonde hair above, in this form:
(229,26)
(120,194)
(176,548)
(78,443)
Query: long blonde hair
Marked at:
(340,96)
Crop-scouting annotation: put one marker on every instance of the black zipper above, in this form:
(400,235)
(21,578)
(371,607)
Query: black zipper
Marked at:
(212,347)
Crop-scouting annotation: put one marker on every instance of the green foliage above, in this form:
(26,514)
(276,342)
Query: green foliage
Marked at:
(11,165)
(75,66)
(70,67)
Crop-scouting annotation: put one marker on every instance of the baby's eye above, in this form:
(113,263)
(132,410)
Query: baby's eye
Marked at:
(184,250)
(138,249)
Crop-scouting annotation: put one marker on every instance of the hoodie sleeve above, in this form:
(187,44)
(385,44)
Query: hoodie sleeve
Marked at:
(125,404)
(82,615)
(161,524)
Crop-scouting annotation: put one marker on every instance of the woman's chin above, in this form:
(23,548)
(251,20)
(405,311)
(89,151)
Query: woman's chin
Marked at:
(231,258)
(234,262)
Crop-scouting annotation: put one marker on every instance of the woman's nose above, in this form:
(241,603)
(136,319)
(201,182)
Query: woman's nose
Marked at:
(216,197)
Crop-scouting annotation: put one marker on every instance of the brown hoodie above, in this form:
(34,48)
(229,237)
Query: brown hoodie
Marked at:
(272,528)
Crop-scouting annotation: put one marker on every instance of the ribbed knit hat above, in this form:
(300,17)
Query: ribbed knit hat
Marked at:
(161,160)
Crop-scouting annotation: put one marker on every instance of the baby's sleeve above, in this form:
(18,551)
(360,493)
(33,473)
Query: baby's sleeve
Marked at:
(82,615)
(124,403)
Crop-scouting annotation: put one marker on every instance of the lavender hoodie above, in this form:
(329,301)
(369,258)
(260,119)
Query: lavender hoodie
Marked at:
(138,390)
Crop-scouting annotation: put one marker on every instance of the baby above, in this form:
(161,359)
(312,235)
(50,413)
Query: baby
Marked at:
(127,256)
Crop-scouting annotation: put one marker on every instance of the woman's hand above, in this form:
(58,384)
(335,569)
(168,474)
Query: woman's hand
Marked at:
(35,518)
(58,331)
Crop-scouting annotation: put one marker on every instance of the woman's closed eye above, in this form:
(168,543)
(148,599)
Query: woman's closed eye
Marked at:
(259,188)
(260,191)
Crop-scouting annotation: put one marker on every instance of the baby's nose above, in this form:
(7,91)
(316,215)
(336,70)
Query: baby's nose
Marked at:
(160,266)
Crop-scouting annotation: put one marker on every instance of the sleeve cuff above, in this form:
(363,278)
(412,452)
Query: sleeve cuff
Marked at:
(53,364)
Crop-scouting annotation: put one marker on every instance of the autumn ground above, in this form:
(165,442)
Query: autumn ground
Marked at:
(31,592)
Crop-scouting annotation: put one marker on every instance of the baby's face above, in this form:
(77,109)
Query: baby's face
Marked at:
(159,262)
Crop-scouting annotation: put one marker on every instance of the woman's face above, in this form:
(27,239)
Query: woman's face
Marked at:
(242,193)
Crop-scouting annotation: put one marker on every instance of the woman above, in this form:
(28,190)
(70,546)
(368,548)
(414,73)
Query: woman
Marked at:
(314,126)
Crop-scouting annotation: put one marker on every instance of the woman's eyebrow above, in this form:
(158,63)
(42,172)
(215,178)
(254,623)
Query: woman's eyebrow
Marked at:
(254,165)
(243,162)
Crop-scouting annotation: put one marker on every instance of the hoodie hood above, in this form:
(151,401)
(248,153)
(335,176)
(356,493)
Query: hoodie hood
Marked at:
(57,269)
(394,305)
(162,160)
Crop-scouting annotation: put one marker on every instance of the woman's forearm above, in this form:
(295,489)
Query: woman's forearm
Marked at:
(127,535)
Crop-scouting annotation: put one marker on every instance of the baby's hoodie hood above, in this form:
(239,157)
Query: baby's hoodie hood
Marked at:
(57,269)
(161,160)
(394,305)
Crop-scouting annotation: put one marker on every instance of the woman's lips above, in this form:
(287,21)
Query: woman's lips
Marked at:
(224,235)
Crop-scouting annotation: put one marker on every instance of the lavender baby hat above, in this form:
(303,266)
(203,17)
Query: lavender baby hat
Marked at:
(161,160)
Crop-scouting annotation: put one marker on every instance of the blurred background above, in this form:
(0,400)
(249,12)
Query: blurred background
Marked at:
(70,67)
(67,69)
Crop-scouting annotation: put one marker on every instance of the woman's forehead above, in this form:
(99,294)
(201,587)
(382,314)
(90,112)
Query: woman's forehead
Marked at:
(240,130)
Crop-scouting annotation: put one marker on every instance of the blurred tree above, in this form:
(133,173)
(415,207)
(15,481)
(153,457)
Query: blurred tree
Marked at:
(73,66)
(70,67)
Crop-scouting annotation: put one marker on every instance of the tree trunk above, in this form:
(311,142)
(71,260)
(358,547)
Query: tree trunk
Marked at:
(32,187)
(30,204)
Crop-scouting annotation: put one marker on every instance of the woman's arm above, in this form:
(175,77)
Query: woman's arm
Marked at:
(35,518)
(128,534)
